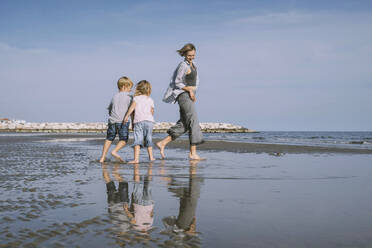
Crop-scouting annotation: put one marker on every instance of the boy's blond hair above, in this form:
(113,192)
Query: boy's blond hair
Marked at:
(126,82)
(143,88)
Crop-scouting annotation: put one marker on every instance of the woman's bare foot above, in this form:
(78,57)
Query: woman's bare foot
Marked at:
(161,148)
(117,156)
(133,162)
(195,157)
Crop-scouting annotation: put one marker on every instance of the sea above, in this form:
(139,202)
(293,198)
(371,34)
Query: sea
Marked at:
(362,140)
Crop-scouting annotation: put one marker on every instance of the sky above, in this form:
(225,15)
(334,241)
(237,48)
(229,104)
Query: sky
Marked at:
(266,65)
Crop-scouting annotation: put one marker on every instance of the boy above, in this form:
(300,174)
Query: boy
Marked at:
(117,109)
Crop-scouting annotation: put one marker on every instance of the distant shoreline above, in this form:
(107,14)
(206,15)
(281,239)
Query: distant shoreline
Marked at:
(100,127)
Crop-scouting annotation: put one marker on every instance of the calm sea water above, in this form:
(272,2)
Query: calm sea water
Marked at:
(361,140)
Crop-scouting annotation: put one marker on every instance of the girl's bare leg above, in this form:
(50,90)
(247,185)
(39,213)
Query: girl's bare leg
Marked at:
(149,151)
(136,155)
(161,145)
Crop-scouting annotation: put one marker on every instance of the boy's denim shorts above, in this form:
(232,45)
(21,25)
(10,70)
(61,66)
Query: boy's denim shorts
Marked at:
(118,128)
(143,133)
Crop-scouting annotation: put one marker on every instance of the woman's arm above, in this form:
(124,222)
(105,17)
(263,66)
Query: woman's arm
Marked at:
(179,79)
(191,91)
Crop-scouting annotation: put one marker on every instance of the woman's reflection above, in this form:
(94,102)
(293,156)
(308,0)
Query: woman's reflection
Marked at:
(189,194)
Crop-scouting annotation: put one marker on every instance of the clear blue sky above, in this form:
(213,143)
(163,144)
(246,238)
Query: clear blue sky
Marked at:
(266,65)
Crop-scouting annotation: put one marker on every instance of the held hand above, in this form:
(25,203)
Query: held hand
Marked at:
(192,95)
(125,120)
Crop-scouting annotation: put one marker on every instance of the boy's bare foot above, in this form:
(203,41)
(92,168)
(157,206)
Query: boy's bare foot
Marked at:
(152,159)
(102,159)
(133,162)
(195,157)
(161,148)
(117,157)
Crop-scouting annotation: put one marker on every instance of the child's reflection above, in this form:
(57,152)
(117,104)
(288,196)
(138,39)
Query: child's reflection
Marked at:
(189,195)
(117,198)
(141,211)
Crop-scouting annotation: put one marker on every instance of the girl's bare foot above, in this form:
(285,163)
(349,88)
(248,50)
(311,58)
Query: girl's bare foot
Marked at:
(102,159)
(133,162)
(152,159)
(117,156)
(161,148)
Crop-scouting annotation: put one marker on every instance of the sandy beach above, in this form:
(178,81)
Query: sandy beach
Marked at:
(55,194)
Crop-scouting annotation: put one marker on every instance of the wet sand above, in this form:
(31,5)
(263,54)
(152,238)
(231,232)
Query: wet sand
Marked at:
(210,145)
(55,194)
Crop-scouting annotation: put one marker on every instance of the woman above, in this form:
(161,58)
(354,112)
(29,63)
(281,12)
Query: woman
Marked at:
(182,89)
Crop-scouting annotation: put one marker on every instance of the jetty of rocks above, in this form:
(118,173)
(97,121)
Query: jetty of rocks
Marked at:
(100,127)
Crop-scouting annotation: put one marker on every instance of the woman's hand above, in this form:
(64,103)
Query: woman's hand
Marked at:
(191,91)
(192,95)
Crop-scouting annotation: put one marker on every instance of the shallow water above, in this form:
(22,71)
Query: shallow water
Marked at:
(54,194)
(359,140)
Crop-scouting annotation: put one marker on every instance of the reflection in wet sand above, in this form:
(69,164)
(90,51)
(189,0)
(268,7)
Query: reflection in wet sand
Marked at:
(132,217)
(117,199)
(182,229)
(141,210)
(129,214)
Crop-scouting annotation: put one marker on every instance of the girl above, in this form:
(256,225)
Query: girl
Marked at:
(143,120)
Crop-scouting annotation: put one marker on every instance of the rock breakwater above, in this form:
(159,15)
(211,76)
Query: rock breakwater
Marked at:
(100,127)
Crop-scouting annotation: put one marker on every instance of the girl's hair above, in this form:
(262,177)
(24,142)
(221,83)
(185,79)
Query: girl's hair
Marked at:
(126,82)
(143,88)
(186,48)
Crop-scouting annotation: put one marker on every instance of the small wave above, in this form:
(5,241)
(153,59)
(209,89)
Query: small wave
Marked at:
(258,138)
(357,142)
(322,137)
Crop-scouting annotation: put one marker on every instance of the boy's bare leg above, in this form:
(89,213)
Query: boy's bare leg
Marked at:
(136,150)
(193,155)
(105,173)
(149,151)
(114,152)
(161,145)
(105,149)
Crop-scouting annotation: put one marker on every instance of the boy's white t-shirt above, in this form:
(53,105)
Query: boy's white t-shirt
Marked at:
(143,108)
